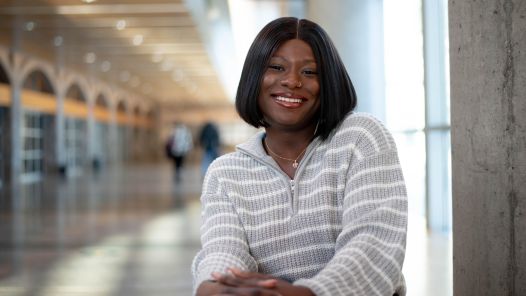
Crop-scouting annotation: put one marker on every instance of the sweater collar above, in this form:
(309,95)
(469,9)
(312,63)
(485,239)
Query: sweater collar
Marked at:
(254,148)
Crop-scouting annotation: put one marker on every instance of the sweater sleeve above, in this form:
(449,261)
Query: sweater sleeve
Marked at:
(223,238)
(371,247)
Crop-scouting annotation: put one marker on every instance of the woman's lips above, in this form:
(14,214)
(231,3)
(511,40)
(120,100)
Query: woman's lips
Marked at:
(289,101)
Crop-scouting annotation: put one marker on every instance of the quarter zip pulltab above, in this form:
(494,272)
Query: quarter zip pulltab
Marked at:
(293,198)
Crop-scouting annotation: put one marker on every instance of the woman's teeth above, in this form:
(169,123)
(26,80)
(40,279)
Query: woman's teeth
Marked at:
(288,100)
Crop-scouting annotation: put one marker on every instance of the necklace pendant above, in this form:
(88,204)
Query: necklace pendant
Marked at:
(295,164)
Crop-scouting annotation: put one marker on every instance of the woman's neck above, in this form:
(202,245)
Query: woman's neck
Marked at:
(289,143)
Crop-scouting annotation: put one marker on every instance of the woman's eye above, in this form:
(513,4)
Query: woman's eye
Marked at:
(310,72)
(276,67)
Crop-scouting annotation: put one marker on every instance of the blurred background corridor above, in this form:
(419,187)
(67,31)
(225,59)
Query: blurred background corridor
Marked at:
(89,94)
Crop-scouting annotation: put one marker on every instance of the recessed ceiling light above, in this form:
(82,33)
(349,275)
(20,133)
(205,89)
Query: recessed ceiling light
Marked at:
(177,75)
(58,40)
(135,81)
(105,66)
(30,26)
(125,76)
(138,39)
(167,65)
(121,25)
(90,58)
(88,1)
(146,88)
(157,57)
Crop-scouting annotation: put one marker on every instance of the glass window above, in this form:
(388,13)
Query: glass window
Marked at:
(405,96)
(33,146)
(75,131)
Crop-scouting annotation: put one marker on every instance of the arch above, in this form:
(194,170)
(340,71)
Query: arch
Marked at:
(75,92)
(4,77)
(70,79)
(150,114)
(122,106)
(38,81)
(137,111)
(45,71)
(102,101)
(107,92)
(101,108)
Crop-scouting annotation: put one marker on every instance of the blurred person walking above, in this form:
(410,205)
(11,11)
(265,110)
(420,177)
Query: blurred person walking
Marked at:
(178,146)
(210,141)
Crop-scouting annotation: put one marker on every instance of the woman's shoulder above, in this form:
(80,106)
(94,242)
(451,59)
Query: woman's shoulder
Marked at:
(227,159)
(226,162)
(363,129)
(362,119)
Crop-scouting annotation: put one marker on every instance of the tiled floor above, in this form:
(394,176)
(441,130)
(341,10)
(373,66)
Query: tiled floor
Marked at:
(134,232)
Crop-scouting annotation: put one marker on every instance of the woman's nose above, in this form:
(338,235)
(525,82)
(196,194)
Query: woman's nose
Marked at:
(291,81)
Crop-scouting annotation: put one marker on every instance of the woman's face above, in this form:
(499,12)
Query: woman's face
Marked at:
(289,96)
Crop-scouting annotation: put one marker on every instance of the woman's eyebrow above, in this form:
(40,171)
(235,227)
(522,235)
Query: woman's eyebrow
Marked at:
(284,59)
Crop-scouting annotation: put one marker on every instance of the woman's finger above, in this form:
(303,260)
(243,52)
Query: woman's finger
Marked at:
(247,274)
(248,291)
(227,279)
(269,284)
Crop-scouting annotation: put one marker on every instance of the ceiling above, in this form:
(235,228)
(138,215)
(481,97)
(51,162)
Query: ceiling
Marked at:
(150,47)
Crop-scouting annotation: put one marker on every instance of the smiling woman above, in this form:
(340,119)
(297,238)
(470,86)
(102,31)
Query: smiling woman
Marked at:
(314,205)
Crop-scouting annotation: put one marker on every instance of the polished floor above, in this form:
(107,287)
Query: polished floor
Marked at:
(134,231)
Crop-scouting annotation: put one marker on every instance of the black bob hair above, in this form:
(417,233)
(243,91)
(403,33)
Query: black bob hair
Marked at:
(337,95)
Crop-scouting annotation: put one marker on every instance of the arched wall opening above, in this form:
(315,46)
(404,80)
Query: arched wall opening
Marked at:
(75,129)
(101,133)
(123,121)
(38,133)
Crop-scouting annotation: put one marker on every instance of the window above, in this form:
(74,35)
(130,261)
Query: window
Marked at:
(32,146)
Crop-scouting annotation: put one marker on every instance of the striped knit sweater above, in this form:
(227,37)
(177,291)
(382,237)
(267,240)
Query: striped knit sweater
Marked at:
(338,228)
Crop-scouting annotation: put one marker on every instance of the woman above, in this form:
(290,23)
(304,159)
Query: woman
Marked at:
(315,204)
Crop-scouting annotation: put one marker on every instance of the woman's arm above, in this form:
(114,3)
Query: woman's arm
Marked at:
(371,247)
(223,238)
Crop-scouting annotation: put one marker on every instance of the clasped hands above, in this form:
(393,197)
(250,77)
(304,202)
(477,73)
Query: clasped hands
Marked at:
(238,282)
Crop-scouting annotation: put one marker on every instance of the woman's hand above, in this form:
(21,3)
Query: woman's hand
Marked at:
(238,278)
(216,288)
(237,282)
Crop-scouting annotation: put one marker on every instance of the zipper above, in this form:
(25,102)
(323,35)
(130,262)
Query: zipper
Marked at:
(294,202)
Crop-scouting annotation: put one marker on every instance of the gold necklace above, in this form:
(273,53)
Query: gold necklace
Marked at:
(294,161)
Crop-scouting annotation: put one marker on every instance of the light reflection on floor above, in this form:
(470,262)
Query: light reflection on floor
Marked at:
(132,232)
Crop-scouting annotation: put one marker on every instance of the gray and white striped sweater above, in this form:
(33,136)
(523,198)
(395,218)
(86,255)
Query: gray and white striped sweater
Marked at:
(338,228)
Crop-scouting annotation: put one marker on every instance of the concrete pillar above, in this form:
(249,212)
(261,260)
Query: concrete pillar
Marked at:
(15,124)
(60,142)
(93,158)
(488,135)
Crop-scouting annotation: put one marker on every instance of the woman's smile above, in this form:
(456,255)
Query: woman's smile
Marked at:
(289,101)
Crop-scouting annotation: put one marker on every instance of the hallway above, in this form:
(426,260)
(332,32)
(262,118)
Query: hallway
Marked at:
(129,231)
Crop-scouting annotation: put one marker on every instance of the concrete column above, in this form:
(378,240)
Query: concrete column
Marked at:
(114,142)
(91,136)
(15,124)
(60,142)
(488,134)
